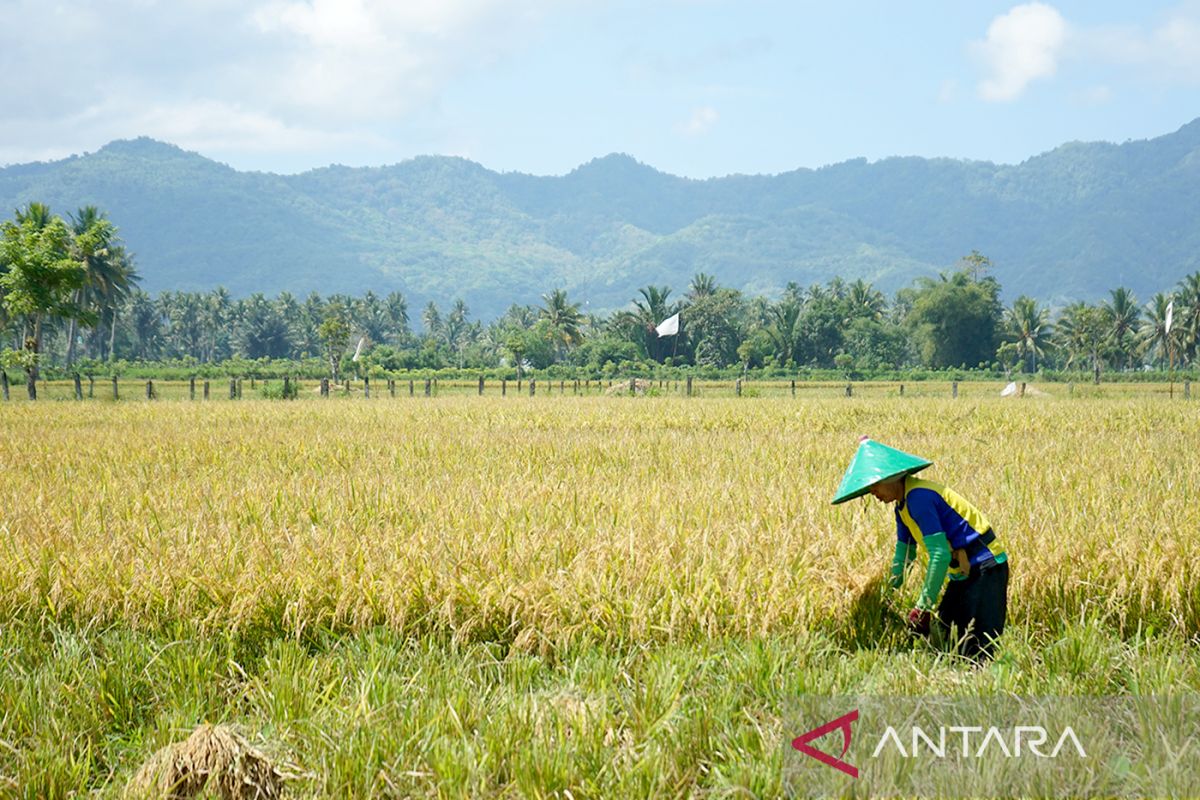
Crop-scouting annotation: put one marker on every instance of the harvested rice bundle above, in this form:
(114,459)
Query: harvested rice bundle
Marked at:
(215,758)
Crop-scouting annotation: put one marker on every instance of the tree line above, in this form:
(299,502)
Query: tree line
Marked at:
(69,298)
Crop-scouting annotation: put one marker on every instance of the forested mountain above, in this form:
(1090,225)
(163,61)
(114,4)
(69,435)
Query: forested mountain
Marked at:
(1069,224)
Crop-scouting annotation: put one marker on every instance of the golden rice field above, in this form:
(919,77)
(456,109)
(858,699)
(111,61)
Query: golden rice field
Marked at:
(609,594)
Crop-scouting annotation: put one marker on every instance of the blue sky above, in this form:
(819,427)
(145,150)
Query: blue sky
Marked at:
(692,87)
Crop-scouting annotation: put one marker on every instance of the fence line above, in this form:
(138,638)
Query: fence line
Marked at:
(127,390)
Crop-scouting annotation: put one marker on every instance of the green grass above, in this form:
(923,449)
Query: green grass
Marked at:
(378,713)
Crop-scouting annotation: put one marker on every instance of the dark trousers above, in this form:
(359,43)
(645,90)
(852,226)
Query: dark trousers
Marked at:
(977,607)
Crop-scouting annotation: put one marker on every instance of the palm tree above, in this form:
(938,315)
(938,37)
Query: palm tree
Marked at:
(564,319)
(1187,316)
(703,285)
(865,301)
(371,317)
(397,312)
(37,213)
(216,315)
(1080,332)
(263,332)
(1122,314)
(784,330)
(431,318)
(649,312)
(1029,328)
(1154,341)
(458,332)
(94,238)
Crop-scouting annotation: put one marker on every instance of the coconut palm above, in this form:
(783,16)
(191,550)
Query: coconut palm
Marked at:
(564,320)
(397,311)
(1080,333)
(703,285)
(863,300)
(1122,314)
(784,330)
(1154,341)
(93,235)
(1029,328)
(652,309)
(1187,316)
(431,318)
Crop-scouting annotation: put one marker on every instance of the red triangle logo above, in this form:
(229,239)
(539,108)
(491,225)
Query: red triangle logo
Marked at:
(842,723)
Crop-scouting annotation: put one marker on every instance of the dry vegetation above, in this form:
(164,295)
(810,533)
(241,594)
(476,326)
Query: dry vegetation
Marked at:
(549,521)
(587,534)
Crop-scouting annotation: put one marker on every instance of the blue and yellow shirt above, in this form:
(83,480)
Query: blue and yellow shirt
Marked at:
(930,508)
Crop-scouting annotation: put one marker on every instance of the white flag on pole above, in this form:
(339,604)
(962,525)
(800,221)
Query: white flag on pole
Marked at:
(1170,315)
(358,350)
(669,326)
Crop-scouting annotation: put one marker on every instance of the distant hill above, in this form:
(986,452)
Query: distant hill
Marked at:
(1069,224)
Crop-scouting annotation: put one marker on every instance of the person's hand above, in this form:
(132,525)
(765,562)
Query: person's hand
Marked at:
(918,621)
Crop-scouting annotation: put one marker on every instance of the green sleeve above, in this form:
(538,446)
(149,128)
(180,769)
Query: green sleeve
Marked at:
(935,575)
(905,553)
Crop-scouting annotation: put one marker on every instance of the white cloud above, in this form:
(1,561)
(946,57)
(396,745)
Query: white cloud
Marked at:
(1169,51)
(1032,41)
(254,75)
(1021,46)
(700,122)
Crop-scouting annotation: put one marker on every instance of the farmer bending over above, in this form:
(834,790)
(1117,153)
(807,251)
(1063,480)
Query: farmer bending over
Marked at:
(963,551)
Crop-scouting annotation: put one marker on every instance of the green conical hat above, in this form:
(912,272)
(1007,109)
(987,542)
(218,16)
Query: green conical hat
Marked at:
(875,462)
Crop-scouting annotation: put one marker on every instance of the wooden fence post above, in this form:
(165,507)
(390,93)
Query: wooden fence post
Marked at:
(239,388)
(793,387)
(689,385)
(954,389)
(192,388)
(4,383)
(428,387)
(737,388)
(205,389)
(1187,390)
(233,388)
(324,387)
(632,386)
(411,387)
(1022,390)
(902,390)
(560,387)
(149,390)
(287,388)
(532,386)
(367,387)
(504,387)
(849,390)
(116,394)
(78,387)
(481,386)
(91,387)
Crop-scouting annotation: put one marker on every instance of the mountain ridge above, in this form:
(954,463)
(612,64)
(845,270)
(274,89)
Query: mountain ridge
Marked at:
(1070,223)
